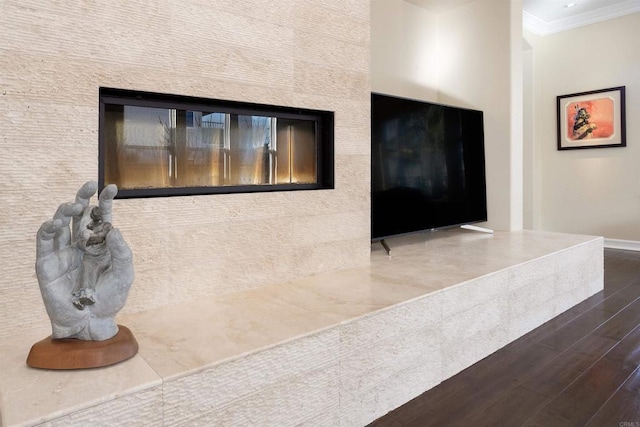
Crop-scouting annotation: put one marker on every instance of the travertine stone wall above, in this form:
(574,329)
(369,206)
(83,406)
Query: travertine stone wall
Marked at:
(55,55)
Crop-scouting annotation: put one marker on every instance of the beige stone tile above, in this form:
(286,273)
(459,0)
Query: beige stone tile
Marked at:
(185,338)
(362,408)
(464,296)
(140,408)
(29,396)
(345,294)
(530,295)
(224,385)
(530,319)
(531,272)
(473,334)
(287,403)
(403,318)
(382,360)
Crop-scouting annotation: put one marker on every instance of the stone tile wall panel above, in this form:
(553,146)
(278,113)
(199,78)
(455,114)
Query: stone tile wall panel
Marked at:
(56,56)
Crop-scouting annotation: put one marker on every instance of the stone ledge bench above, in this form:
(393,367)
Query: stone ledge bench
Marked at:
(337,349)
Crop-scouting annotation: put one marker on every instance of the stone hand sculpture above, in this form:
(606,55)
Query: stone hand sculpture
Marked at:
(84,270)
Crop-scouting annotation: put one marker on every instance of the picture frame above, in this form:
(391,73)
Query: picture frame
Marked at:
(594,119)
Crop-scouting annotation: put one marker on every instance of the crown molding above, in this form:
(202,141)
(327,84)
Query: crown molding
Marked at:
(543,28)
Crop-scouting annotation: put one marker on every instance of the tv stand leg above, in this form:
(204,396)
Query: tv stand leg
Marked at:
(476,228)
(386,247)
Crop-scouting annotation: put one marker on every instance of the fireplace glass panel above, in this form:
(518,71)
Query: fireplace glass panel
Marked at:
(296,155)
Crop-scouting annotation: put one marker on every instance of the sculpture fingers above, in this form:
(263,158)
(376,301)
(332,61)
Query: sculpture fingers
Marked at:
(44,237)
(105,201)
(83,196)
(85,193)
(65,213)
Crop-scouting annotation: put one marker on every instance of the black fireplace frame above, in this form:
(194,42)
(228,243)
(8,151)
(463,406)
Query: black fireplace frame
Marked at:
(324,122)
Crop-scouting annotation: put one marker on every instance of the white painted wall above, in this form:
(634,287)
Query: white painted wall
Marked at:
(529,182)
(477,71)
(531,172)
(516,143)
(404,55)
(475,56)
(593,191)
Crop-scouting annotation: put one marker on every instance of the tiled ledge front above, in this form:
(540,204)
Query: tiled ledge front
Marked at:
(335,349)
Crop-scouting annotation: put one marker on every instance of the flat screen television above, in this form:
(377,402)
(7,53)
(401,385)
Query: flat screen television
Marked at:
(427,166)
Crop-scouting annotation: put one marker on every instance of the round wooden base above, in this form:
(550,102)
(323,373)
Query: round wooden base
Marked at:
(70,353)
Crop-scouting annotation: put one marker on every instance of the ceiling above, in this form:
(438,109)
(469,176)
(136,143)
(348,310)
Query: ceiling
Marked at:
(544,17)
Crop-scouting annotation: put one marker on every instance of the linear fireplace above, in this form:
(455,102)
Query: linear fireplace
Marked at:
(161,145)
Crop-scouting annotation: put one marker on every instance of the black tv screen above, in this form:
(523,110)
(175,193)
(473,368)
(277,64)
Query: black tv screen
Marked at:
(427,166)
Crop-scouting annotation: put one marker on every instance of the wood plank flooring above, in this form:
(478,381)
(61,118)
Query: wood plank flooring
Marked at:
(579,369)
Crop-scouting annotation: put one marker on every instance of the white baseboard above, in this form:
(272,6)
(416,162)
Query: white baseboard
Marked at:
(628,245)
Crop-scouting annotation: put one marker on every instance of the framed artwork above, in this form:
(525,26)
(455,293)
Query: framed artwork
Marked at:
(594,119)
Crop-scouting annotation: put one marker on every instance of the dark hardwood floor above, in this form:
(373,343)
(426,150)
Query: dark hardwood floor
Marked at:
(578,369)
